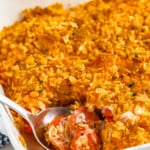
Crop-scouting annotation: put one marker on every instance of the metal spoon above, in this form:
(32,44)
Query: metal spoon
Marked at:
(37,121)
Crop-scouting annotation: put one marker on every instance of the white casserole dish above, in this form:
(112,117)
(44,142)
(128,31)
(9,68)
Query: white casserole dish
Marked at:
(9,13)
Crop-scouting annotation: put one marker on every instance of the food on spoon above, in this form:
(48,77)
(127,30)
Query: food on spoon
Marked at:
(86,139)
(57,133)
(74,131)
(81,119)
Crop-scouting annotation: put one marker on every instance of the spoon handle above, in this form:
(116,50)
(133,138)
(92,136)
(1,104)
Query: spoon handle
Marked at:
(5,100)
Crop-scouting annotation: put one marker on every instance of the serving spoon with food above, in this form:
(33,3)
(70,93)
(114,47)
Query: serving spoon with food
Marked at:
(37,121)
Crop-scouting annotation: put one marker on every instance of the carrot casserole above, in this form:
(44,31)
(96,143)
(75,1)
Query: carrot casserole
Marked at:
(95,55)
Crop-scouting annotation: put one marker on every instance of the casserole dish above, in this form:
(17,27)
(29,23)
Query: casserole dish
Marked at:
(9,9)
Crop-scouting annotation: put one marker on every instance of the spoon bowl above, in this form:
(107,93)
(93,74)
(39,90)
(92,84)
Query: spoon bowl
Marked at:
(38,121)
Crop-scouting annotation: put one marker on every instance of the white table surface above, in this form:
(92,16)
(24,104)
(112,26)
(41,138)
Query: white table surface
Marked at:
(7,147)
